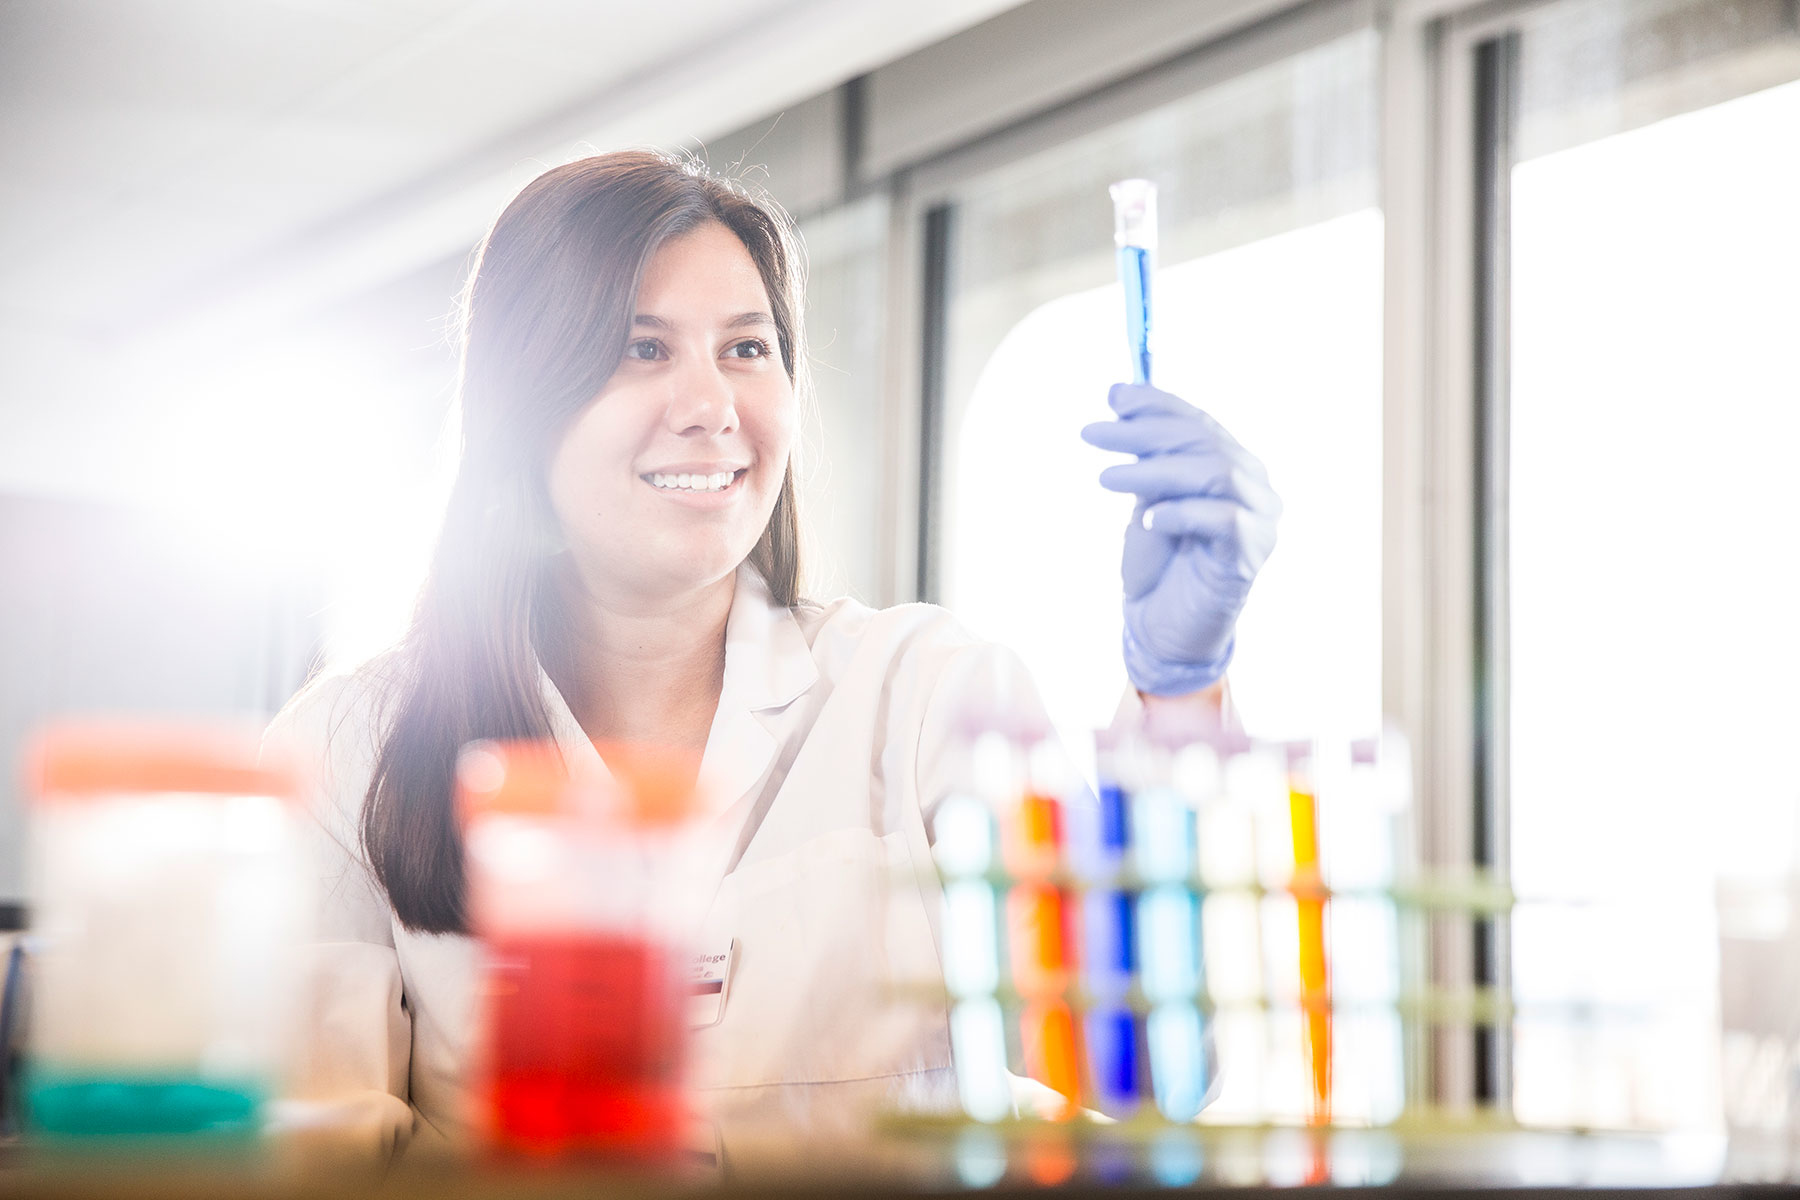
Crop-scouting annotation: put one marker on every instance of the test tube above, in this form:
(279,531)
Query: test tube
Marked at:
(978,1040)
(1134,234)
(1052,1049)
(1118,1057)
(1315,999)
(1166,821)
(963,846)
(1041,927)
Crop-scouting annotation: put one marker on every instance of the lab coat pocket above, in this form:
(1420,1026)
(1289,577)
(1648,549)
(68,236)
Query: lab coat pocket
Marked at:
(834,940)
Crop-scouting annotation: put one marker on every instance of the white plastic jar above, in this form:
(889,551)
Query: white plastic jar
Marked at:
(168,908)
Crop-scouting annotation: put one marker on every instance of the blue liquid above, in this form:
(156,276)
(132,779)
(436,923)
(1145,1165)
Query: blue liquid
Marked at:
(1115,831)
(1109,947)
(1169,943)
(1118,1060)
(88,1104)
(1178,1066)
(1165,844)
(1134,273)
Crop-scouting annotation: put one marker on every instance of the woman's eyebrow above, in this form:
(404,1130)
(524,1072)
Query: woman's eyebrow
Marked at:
(741,321)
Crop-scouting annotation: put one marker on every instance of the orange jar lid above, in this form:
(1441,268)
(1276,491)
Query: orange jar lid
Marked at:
(659,781)
(651,785)
(511,777)
(82,759)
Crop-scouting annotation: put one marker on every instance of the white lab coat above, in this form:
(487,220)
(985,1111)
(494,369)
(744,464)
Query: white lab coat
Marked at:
(830,750)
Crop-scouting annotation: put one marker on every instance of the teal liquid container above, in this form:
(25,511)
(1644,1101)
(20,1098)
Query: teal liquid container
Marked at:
(167,901)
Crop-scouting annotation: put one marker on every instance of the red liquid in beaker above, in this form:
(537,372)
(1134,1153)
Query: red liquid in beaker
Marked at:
(586,1041)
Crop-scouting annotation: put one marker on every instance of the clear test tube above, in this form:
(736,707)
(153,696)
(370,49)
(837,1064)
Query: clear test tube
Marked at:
(963,845)
(1134,236)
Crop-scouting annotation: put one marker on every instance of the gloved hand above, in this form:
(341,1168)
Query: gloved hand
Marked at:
(1204,525)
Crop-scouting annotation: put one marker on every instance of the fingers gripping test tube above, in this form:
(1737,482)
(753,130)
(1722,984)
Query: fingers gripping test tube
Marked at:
(1134,233)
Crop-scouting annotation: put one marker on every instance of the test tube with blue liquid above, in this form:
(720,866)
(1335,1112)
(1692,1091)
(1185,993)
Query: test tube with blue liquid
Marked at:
(1165,819)
(1118,1066)
(1134,233)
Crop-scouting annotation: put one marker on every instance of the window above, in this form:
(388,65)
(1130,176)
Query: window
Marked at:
(1267,312)
(1655,412)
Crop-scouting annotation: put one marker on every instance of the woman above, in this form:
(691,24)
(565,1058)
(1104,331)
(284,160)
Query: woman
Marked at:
(618,562)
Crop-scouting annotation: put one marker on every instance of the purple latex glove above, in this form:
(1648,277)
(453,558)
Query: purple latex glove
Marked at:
(1203,527)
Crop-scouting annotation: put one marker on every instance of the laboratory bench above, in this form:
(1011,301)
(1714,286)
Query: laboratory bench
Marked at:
(987,1160)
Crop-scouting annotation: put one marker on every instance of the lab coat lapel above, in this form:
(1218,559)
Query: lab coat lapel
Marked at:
(768,665)
(577,750)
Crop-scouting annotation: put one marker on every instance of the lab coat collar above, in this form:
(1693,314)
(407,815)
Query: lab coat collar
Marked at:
(768,665)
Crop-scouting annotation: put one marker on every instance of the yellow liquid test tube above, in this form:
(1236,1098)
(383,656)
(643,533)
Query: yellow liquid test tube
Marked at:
(1309,902)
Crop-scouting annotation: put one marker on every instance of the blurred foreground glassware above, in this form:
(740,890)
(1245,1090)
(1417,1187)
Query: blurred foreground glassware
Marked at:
(580,888)
(168,905)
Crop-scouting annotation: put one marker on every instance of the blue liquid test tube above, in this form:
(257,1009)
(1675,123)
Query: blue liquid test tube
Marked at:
(1134,233)
(1117,1067)
(1169,947)
(1178,1060)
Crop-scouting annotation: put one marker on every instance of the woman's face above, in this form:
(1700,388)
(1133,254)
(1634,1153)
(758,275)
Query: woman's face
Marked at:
(665,481)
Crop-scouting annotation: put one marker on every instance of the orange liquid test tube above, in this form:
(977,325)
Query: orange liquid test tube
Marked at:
(1038,931)
(1052,1049)
(1034,842)
(1315,995)
(1042,947)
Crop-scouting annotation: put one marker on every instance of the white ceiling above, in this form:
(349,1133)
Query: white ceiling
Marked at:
(165,161)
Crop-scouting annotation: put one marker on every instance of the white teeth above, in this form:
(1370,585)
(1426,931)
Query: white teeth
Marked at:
(694,483)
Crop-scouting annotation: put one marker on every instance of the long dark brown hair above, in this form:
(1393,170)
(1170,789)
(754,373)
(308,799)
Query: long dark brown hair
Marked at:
(545,320)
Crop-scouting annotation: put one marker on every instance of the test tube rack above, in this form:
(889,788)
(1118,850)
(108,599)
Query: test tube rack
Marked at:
(1124,948)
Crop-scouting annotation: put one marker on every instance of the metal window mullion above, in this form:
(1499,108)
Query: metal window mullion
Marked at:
(1408,63)
(1496,114)
(934,329)
(1434,540)
(902,540)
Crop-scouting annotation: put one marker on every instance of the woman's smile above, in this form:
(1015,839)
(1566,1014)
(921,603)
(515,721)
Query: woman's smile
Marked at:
(703,486)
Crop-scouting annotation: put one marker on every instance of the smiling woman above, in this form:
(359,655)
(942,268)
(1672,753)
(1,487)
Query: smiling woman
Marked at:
(669,477)
(618,565)
(551,311)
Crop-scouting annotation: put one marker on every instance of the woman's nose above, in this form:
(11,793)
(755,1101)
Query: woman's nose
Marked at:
(702,400)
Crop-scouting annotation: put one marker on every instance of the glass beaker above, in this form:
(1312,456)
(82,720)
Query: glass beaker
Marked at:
(581,889)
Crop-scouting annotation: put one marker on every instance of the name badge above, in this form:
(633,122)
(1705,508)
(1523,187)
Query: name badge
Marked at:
(709,981)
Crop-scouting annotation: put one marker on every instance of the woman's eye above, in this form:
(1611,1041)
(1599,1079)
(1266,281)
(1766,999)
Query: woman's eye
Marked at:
(644,349)
(750,348)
